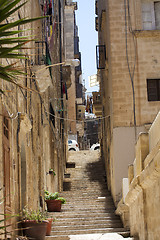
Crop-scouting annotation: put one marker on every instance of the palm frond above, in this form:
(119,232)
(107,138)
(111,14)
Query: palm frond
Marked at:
(10,46)
(5,11)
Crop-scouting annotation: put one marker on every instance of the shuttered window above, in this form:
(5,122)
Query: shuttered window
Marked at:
(157,14)
(151,15)
(148,16)
(153,89)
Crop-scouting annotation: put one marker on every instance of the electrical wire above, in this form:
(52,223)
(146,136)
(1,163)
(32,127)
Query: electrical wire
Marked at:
(131,72)
(81,121)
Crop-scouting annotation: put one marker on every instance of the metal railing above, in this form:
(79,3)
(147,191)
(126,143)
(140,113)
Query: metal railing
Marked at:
(40,52)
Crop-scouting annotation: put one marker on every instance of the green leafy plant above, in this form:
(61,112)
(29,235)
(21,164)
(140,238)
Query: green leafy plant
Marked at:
(10,43)
(29,214)
(51,171)
(54,196)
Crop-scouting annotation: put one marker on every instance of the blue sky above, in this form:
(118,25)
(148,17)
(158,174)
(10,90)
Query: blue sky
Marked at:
(85,17)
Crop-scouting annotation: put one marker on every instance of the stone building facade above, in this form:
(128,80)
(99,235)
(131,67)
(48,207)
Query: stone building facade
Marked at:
(128,62)
(34,130)
(75,92)
(140,197)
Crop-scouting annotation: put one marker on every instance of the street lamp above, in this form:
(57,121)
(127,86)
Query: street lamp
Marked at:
(72,62)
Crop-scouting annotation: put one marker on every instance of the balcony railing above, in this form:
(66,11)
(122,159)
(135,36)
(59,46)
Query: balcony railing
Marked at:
(96,7)
(40,53)
(100,56)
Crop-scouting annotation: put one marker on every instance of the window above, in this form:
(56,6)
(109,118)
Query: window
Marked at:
(157,14)
(100,56)
(6,127)
(52,115)
(153,89)
(151,15)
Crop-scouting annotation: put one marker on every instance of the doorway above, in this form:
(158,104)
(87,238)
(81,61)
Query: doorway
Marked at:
(7,173)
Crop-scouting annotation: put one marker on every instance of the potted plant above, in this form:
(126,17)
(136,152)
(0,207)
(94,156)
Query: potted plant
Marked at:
(49,226)
(51,171)
(53,201)
(34,224)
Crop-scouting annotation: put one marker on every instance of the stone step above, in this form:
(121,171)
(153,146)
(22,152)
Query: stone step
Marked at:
(89,208)
(83,193)
(86,182)
(86,224)
(70,188)
(86,185)
(86,236)
(61,215)
(91,204)
(75,198)
(91,230)
(88,200)
(87,221)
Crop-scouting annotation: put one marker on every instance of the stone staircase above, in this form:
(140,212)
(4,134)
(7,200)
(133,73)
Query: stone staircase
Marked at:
(89,208)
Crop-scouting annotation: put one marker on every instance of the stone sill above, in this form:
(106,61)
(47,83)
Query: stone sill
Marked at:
(146,33)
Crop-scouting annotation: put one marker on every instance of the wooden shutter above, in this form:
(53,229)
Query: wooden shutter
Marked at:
(148,15)
(153,89)
(157,14)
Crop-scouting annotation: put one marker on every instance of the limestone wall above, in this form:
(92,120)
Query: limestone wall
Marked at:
(129,56)
(144,190)
(36,141)
(69,21)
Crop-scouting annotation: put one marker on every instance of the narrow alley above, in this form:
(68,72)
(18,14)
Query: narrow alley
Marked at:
(80,118)
(89,211)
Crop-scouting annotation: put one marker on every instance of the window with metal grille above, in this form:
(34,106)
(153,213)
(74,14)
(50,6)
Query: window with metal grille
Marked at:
(153,89)
(100,56)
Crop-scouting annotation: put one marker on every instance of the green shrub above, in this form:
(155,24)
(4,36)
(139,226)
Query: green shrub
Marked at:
(54,196)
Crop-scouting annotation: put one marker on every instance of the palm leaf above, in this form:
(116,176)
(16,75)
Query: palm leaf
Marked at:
(5,12)
(7,8)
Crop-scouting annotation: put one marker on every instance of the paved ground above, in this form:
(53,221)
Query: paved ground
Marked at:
(89,212)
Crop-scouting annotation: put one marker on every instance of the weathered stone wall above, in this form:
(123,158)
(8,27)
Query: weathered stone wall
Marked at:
(144,192)
(37,141)
(69,21)
(125,47)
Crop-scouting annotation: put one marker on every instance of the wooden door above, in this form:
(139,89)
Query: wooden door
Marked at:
(6,169)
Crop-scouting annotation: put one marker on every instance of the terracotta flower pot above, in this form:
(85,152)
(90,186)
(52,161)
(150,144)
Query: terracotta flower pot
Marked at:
(34,230)
(53,205)
(49,226)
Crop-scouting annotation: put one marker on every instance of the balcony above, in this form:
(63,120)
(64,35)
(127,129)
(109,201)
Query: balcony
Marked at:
(40,53)
(42,74)
(96,7)
(101,56)
(97,104)
(72,4)
(96,24)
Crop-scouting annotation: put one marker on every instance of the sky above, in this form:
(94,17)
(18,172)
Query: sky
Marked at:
(88,37)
